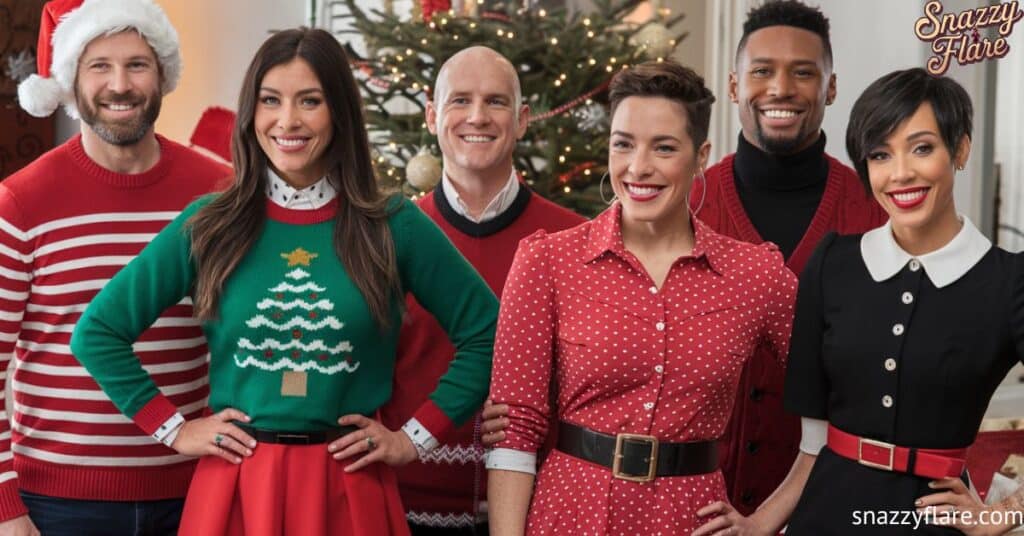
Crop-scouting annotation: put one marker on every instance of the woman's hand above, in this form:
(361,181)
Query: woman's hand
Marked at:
(728,522)
(215,436)
(495,422)
(374,441)
(958,508)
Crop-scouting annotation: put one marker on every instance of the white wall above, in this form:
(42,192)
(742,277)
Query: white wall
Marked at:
(218,39)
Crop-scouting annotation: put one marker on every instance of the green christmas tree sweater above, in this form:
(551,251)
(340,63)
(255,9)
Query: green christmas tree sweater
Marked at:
(294,345)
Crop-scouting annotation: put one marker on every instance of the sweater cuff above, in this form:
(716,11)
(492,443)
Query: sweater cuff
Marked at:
(155,414)
(11,505)
(434,420)
(511,460)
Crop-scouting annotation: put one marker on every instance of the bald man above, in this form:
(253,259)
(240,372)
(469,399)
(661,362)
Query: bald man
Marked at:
(478,117)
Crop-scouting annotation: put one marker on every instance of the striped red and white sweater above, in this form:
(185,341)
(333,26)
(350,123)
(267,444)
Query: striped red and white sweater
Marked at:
(67,226)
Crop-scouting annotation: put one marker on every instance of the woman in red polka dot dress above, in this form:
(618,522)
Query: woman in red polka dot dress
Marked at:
(630,332)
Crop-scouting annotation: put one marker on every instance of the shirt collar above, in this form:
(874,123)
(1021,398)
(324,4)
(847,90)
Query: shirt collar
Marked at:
(312,197)
(498,205)
(884,258)
(606,237)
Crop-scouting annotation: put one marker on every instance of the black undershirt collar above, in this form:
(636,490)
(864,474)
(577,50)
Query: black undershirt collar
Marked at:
(489,227)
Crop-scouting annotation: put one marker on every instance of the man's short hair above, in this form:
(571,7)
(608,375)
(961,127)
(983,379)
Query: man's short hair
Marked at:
(787,13)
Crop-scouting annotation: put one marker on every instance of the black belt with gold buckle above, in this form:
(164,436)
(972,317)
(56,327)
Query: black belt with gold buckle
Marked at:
(315,437)
(637,457)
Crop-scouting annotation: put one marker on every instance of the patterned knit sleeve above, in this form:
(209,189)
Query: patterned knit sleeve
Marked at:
(447,286)
(523,353)
(15,285)
(160,276)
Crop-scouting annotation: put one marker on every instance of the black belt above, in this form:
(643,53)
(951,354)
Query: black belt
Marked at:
(295,438)
(637,457)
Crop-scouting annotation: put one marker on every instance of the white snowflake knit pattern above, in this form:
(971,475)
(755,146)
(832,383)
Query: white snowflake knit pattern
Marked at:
(295,353)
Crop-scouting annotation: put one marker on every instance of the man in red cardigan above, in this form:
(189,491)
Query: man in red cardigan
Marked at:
(477,115)
(779,186)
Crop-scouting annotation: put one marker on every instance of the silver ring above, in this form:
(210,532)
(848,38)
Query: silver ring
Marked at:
(217,439)
(370,443)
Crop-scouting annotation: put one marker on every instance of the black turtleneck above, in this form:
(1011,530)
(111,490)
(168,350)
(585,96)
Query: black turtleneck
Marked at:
(781,193)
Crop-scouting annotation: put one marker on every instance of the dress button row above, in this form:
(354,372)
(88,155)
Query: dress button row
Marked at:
(659,369)
(653,290)
(648,405)
(660,326)
(890,364)
(908,298)
(897,330)
(915,265)
(887,401)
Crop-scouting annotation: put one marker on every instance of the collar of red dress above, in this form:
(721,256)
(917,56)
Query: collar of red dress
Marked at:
(606,237)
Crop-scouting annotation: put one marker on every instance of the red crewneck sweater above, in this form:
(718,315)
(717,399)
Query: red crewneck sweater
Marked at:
(761,440)
(67,226)
(445,490)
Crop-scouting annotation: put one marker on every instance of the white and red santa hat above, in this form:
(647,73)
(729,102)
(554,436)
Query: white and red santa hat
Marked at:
(68,26)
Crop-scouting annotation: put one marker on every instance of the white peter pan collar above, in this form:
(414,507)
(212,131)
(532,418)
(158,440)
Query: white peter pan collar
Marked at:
(311,197)
(885,258)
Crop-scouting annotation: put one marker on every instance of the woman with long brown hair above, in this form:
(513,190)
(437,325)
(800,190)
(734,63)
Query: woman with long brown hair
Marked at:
(297,272)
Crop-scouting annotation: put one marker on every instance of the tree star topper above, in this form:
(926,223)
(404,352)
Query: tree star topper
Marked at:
(299,256)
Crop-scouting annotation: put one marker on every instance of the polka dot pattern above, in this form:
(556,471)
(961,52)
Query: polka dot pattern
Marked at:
(579,310)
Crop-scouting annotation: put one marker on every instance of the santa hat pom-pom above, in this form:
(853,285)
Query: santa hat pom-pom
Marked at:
(39,96)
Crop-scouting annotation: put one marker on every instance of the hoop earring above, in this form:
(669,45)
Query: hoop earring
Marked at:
(703,192)
(600,190)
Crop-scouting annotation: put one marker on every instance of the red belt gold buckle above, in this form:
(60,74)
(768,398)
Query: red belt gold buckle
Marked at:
(879,444)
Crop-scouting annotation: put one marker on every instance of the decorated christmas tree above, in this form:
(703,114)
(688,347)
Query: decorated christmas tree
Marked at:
(295,310)
(565,63)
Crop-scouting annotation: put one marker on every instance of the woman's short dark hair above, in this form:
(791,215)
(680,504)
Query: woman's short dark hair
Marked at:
(672,81)
(892,99)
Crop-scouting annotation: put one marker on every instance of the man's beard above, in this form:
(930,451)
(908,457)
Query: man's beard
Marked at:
(779,145)
(122,133)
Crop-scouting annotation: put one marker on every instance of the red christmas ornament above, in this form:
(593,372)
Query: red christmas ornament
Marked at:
(268,354)
(312,314)
(312,295)
(296,334)
(295,354)
(323,357)
(278,296)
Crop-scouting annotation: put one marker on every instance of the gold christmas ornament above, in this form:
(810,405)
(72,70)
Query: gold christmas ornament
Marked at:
(655,38)
(423,171)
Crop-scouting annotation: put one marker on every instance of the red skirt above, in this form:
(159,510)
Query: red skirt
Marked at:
(291,489)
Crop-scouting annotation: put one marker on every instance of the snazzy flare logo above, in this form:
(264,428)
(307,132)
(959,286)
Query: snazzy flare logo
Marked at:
(958,35)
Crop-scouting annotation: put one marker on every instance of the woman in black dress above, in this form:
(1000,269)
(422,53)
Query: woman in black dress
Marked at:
(900,339)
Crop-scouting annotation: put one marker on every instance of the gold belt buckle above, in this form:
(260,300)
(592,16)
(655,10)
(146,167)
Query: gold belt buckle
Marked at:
(652,462)
(880,444)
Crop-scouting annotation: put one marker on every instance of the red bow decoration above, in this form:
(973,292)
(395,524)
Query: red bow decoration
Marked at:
(433,6)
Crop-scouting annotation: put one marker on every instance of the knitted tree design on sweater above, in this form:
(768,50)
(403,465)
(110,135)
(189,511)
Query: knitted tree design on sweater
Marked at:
(289,323)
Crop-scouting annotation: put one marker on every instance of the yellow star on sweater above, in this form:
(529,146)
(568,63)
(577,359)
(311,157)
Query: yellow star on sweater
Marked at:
(299,256)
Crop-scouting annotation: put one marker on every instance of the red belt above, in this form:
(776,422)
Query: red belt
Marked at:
(928,463)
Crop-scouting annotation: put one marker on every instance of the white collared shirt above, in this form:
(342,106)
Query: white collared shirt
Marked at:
(884,258)
(309,198)
(499,204)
